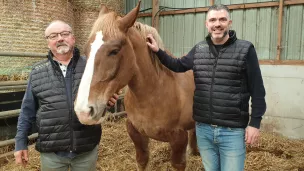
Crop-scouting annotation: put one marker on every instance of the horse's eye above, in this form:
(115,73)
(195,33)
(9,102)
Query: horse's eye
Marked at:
(113,52)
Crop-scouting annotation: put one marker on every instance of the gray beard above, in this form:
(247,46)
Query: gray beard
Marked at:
(63,50)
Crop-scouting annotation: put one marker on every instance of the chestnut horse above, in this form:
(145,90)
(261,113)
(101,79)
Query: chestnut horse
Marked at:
(158,101)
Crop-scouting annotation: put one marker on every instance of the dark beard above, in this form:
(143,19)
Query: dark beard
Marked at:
(225,33)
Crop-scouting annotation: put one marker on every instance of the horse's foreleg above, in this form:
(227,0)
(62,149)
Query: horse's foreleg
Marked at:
(192,143)
(141,146)
(178,145)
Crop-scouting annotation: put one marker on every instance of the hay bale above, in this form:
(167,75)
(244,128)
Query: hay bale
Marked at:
(22,26)
(86,12)
(22,23)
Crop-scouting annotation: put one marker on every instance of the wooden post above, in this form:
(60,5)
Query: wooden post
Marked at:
(211,2)
(280,25)
(155,14)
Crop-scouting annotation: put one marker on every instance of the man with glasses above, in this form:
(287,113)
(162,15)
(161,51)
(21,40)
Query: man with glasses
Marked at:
(63,141)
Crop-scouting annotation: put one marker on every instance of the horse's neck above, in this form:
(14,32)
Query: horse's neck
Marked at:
(148,78)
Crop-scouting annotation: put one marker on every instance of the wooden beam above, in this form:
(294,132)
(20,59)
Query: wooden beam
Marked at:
(145,15)
(13,87)
(211,2)
(12,141)
(293,2)
(231,7)
(280,25)
(9,114)
(11,83)
(281,62)
(23,54)
(253,5)
(155,14)
(188,11)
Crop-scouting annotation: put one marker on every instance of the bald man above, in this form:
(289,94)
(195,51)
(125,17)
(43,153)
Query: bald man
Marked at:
(63,142)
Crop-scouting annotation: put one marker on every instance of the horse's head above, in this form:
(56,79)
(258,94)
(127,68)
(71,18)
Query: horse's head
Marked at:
(106,50)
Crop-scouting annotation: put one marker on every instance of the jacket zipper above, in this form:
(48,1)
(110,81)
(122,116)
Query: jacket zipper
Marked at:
(211,89)
(69,107)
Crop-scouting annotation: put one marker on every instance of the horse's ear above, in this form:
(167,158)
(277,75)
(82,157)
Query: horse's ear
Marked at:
(87,49)
(128,20)
(103,9)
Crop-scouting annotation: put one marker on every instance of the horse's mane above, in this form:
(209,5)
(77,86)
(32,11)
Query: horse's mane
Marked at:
(144,30)
(106,24)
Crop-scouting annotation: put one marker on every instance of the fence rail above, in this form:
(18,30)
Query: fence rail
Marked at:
(23,54)
(9,114)
(12,141)
(12,85)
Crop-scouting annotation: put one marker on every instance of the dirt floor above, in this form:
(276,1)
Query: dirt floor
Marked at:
(273,153)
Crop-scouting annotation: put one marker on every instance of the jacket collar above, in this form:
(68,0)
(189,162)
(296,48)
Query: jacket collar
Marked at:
(74,60)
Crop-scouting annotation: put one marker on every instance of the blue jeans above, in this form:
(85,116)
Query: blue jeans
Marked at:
(221,148)
(82,162)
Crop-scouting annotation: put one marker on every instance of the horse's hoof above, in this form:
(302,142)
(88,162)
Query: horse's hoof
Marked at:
(141,168)
(179,167)
(194,153)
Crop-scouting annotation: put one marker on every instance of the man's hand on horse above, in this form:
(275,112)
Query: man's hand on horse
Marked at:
(21,157)
(114,99)
(152,43)
(252,135)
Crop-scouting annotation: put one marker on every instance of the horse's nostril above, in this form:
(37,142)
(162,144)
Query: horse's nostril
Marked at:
(92,111)
(96,111)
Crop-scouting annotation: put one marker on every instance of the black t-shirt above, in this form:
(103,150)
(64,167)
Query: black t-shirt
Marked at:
(218,47)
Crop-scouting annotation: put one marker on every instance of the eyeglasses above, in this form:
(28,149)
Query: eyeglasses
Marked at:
(54,36)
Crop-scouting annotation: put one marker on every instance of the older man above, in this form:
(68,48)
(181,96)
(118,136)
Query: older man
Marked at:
(63,141)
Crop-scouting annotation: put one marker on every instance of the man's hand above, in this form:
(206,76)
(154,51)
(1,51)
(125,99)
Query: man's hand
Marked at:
(252,135)
(152,43)
(113,99)
(21,157)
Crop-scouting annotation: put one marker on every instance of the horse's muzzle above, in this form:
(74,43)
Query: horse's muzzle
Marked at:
(97,111)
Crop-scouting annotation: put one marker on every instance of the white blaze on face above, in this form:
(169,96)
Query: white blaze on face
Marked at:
(81,105)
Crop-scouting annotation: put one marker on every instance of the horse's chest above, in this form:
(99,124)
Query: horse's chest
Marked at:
(150,129)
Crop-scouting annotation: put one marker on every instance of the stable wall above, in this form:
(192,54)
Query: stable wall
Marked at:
(284,86)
